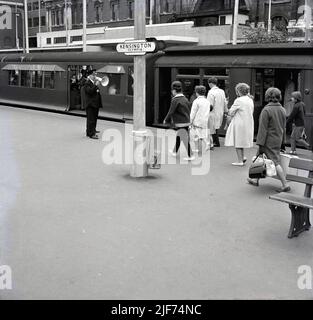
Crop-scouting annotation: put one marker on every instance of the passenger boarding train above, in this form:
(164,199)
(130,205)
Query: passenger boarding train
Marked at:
(47,80)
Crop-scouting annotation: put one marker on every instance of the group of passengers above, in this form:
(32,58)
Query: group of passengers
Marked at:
(202,122)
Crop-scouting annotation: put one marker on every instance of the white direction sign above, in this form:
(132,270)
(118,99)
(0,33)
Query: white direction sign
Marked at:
(136,47)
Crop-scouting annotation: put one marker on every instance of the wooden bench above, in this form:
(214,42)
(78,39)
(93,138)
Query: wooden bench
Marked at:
(300,206)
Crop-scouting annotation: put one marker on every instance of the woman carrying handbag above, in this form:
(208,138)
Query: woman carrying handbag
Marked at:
(271,134)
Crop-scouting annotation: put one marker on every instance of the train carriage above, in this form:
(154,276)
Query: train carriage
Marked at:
(44,81)
(286,66)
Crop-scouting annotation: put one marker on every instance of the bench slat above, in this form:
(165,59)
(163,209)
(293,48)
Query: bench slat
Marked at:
(299,179)
(303,164)
(293,199)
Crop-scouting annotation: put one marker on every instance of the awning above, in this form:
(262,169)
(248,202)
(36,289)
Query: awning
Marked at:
(111,69)
(33,67)
(240,61)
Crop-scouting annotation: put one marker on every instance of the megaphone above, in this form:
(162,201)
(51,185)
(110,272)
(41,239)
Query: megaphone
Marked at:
(103,81)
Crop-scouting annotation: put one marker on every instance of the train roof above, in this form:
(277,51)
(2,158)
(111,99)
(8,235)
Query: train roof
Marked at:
(242,49)
(67,57)
(287,55)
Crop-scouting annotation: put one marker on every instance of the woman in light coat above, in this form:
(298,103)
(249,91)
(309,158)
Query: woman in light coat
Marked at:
(199,118)
(240,131)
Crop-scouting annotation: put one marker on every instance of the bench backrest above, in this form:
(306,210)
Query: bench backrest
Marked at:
(306,165)
(302,164)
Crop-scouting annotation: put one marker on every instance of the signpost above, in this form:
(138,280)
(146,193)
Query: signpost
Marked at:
(138,48)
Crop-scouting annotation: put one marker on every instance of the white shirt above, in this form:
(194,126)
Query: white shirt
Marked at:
(217,99)
(200,112)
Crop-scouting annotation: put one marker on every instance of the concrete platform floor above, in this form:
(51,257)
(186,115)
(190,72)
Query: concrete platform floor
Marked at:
(74,228)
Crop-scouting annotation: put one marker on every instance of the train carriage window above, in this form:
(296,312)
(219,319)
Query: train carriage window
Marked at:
(114,85)
(25,78)
(189,71)
(189,86)
(49,78)
(216,72)
(36,79)
(13,77)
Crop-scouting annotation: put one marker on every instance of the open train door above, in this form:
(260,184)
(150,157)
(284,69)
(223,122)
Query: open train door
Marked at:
(306,88)
(73,87)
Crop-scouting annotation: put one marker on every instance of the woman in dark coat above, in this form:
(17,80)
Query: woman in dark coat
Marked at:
(179,116)
(272,134)
(297,117)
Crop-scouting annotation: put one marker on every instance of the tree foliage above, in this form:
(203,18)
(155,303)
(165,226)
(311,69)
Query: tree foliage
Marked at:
(260,35)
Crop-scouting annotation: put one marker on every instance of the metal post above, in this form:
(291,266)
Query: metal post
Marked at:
(23,30)
(65,22)
(39,25)
(84,26)
(16,29)
(39,14)
(151,12)
(139,168)
(26,26)
(307,19)
(235,22)
(269,23)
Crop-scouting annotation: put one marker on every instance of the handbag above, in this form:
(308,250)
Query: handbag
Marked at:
(270,165)
(270,168)
(257,169)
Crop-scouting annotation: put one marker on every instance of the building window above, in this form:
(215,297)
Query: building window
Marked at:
(74,14)
(35,5)
(36,22)
(114,10)
(53,18)
(59,40)
(29,7)
(98,13)
(48,40)
(131,9)
(167,6)
(61,11)
(30,22)
(43,21)
(76,38)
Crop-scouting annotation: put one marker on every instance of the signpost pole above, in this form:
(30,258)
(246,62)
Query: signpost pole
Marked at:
(235,22)
(269,23)
(139,167)
(307,19)
(26,26)
(84,26)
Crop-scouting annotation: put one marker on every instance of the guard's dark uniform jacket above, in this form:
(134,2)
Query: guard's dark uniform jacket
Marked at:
(93,103)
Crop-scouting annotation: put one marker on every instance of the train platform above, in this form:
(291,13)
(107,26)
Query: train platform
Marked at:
(73,227)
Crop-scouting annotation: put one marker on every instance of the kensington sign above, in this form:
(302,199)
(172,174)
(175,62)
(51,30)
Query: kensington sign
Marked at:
(136,47)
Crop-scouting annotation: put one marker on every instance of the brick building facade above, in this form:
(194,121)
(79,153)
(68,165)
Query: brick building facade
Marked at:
(60,15)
